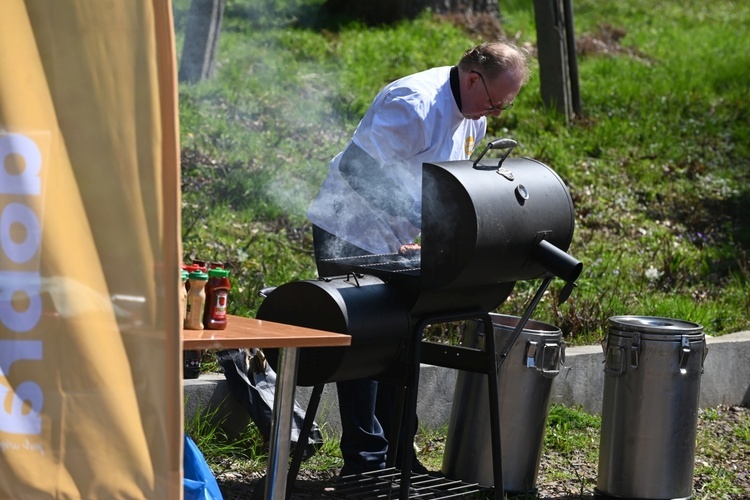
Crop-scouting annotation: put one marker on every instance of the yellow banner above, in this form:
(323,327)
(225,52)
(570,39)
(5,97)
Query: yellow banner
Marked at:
(90,383)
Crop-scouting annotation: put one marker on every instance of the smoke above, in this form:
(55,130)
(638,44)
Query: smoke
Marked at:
(267,110)
(291,194)
(272,111)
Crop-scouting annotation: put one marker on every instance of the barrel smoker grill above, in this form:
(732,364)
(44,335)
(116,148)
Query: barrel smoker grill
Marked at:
(485,225)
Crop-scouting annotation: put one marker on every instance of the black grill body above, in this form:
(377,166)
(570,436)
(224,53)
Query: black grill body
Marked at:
(485,225)
(374,313)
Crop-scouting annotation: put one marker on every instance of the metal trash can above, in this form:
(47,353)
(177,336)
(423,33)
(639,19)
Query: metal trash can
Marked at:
(652,377)
(525,382)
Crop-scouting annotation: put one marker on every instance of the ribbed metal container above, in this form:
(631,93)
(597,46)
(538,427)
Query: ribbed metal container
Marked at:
(652,373)
(525,383)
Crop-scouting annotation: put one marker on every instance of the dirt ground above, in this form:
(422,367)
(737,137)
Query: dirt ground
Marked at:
(721,449)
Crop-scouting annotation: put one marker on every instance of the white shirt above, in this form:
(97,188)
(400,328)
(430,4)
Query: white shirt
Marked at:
(411,121)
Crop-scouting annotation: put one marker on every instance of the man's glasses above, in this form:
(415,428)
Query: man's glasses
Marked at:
(502,107)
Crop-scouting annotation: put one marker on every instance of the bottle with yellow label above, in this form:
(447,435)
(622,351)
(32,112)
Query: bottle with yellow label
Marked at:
(196,300)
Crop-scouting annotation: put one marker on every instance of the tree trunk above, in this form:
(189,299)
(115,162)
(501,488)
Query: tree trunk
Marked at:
(201,40)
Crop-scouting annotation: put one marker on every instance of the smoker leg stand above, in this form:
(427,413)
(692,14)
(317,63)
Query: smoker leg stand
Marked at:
(304,434)
(281,425)
(493,385)
(410,412)
(394,438)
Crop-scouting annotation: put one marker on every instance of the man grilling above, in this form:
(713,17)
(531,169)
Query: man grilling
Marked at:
(370,202)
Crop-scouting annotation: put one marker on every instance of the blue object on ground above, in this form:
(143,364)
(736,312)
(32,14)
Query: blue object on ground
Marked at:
(198,481)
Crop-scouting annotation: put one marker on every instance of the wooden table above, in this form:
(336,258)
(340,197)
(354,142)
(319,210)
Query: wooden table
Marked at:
(247,333)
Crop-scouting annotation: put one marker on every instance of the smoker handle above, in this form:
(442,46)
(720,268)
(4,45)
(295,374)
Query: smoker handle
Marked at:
(508,144)
(557,262)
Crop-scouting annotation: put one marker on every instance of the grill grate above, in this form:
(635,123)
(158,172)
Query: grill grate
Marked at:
(385,484)
(386,266)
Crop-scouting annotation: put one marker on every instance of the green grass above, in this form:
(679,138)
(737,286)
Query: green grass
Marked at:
(205,429)
(570,429)
(658,166)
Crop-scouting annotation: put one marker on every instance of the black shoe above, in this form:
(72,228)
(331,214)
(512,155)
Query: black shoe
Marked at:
(418,468)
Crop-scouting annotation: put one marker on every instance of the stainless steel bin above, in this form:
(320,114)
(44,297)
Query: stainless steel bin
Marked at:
(525,382)
(652,377)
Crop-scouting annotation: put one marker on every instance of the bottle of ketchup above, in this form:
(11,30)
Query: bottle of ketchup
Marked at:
(217,297)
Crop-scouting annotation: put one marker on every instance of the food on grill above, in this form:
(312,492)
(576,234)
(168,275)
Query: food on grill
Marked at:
(409,250)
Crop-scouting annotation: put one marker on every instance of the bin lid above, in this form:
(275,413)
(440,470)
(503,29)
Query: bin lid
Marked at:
(654,327)
(507,322)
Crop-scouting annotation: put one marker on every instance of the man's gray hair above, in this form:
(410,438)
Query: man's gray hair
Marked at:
(496,57)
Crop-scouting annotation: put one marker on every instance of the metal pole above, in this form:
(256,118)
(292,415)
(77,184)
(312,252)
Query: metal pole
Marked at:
(493,385)
(524,319)
(281,426)
(570,34)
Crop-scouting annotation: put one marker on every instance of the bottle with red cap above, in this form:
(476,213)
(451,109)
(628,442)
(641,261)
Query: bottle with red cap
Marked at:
(217,298)
(196,299)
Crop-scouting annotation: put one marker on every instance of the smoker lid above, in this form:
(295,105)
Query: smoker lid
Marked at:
(483,224)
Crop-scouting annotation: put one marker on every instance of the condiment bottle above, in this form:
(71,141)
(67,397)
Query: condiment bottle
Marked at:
(183,297)
(196,300)
(189,268)
(217,296)
(191,364)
